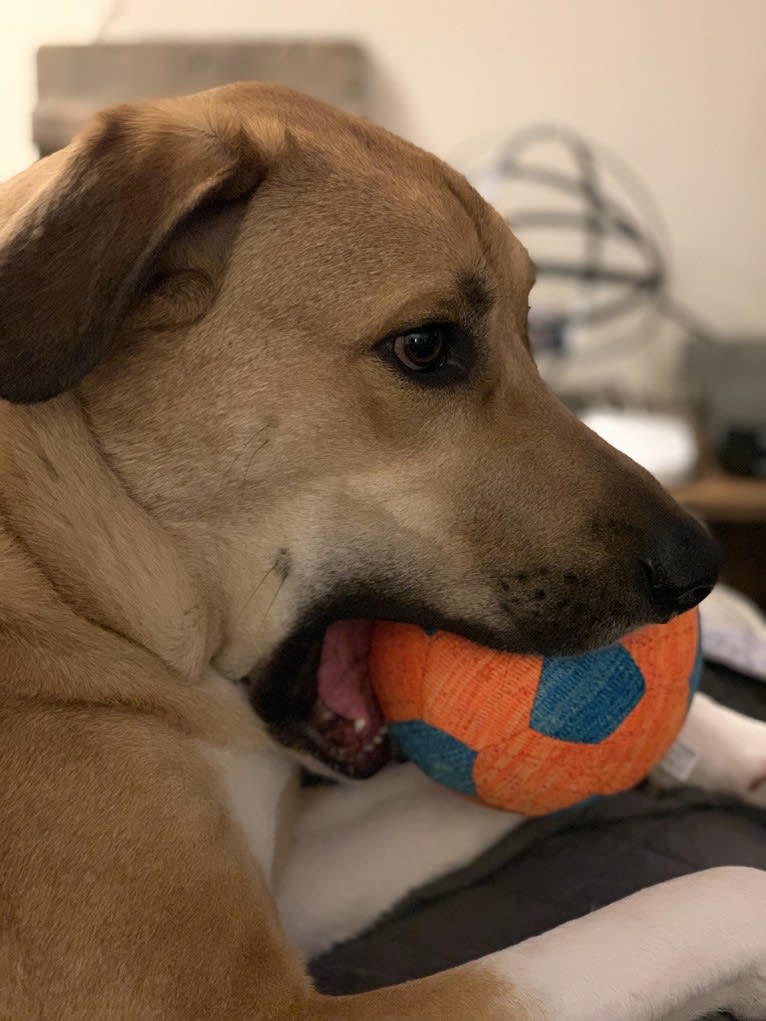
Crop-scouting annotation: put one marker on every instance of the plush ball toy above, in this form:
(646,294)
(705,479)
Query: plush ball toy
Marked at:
(530,734)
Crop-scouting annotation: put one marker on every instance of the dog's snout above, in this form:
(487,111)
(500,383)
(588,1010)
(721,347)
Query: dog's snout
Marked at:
(681,564)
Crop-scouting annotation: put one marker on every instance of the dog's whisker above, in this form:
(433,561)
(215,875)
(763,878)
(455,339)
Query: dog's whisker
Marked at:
(226,473)
(256,589)
(252,457)
(273,599)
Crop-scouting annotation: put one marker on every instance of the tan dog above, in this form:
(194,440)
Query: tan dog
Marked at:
(269,374)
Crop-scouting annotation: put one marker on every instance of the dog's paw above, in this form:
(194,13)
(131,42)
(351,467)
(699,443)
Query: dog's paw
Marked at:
(729,752)
(743,762)
(748,1002)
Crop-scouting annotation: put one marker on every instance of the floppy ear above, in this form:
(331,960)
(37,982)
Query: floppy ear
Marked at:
(77,251)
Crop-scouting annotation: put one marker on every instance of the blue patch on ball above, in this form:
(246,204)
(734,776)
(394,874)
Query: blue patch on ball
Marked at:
(696,674)
(584,699)
(442,756)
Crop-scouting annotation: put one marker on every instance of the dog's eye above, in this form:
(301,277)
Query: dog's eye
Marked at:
(437,354)
(421,350)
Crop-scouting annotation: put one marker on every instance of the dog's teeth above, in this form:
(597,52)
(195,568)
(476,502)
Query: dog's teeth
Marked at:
(323,714)
(359,725)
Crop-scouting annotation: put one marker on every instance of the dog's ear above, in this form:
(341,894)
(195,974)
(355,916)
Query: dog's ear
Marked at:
(77,250)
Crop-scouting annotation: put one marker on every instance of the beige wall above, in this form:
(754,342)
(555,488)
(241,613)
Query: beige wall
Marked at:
(25,25)
(676,87)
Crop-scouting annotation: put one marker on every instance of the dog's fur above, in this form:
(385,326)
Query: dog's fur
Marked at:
(206,455)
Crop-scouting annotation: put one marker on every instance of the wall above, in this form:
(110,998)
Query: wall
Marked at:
(676,87)
(25,25)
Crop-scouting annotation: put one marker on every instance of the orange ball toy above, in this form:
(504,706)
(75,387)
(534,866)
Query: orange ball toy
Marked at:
(532,734)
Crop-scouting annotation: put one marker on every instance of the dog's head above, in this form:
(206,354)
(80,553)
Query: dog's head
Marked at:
(301,346)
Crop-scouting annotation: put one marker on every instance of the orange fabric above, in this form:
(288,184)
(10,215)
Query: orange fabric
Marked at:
(484,699)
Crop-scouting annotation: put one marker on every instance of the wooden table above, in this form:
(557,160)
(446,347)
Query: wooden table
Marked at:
(735,509)
(720,497)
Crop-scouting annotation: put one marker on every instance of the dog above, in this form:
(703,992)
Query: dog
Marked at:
(266,378)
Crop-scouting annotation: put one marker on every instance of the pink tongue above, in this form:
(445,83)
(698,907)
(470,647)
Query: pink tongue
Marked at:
(344,683)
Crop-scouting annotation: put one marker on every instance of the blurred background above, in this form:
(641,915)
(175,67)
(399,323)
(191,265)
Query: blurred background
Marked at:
(623,139)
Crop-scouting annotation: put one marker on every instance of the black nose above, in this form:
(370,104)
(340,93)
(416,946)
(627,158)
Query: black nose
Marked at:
(681,563)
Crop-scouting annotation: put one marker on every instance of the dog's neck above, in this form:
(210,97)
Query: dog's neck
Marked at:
(104,555)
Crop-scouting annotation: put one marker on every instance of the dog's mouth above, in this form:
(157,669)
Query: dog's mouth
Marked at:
(345,722)
(328,709)
(315,693)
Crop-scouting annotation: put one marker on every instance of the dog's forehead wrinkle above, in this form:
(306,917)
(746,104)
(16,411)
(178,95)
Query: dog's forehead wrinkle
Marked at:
(457,295)
(492,234)
(477,292)
(506,274)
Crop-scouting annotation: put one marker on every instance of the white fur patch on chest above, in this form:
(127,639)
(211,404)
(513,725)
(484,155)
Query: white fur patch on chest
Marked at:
(253,783)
